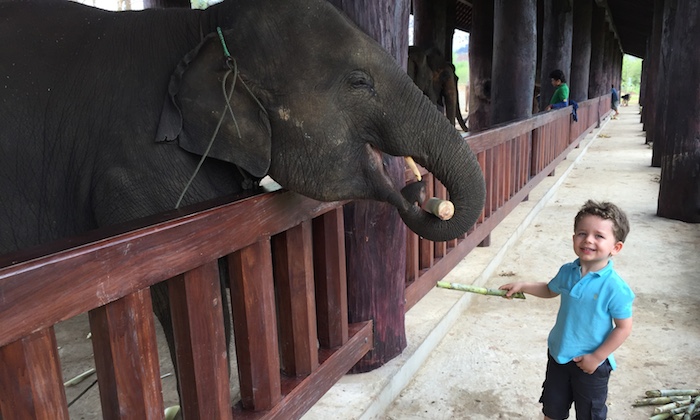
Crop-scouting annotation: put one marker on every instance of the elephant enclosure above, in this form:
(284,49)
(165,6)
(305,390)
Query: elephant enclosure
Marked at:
(287,291)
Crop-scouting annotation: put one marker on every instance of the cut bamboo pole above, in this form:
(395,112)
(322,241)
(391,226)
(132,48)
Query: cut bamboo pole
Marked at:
(658,400)
(672,392)
(671,406)
(476,289)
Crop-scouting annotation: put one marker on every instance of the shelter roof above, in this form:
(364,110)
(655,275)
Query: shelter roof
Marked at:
(630,20)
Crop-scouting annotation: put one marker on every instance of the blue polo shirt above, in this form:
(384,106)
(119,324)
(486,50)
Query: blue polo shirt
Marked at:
(587,309)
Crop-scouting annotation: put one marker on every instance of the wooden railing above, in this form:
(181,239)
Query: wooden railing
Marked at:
(287,290)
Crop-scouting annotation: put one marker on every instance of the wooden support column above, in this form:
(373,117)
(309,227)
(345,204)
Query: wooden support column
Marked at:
(480,58)
(557,31)
(663,82)
(375,234)
(581,50)
(679,192)
(514,59)
(429,25)
(653,71)
(596,79)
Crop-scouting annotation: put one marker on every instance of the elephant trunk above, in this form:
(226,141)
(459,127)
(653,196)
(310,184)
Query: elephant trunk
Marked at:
(455,165)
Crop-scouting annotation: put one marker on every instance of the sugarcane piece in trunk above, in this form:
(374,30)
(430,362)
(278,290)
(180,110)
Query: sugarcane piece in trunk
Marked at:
(661,416)
(670,406)
(477,289)
(658,400)
(443,209)
(672,392)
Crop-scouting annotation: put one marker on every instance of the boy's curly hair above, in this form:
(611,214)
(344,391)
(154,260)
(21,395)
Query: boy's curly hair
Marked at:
(607,211)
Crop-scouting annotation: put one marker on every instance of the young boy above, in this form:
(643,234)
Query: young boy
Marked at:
(561,93)
(594,319)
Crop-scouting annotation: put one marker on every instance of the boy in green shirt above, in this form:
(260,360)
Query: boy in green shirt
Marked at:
(561,94)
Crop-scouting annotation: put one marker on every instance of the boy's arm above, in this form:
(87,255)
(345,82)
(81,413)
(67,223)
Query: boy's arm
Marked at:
(590,362)
(539,289)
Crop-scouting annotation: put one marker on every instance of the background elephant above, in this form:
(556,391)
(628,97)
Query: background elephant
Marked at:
(105,117)
(436,77)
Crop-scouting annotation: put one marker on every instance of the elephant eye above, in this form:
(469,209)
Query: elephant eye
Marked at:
(361,80)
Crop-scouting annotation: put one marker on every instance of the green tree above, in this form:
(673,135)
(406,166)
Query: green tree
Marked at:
(631,74)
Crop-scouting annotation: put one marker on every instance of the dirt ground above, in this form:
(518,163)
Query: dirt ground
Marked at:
(491,364)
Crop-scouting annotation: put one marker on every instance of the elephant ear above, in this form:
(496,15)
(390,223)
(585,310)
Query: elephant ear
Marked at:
(194,106)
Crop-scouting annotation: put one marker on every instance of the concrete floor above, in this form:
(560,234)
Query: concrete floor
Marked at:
(477,357)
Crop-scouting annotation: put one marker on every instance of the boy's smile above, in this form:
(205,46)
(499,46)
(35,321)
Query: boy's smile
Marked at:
(595,242)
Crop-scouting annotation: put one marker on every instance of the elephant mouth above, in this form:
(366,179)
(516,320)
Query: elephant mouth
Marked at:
(414,193)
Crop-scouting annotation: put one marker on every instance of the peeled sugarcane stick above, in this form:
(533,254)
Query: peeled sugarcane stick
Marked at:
(670,406)
(443,209)
(658,400)
(672,392)
(477,289)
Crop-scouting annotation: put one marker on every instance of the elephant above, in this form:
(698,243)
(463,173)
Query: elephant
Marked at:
(437,79)
(107,117)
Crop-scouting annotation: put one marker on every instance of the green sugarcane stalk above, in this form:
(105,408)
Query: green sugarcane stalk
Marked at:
(477,289)
(670,406)
(661,416)
(658,400)
(78,379)
(692,409)
(672,392)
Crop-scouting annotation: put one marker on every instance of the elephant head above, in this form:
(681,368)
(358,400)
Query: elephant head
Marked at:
(315,106)
(436,77)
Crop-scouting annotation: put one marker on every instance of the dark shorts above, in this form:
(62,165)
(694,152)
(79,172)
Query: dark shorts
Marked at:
(567,383)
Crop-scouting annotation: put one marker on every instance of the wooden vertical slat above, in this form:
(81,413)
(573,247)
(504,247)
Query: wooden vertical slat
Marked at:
(296,302)
(440,191)
(412,257)
(200,342)
(330,279)
(255,326)
(31,385)
(126,358)
(426,247)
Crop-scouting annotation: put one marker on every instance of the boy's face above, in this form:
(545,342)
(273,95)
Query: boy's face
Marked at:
(595,242)
(555,82)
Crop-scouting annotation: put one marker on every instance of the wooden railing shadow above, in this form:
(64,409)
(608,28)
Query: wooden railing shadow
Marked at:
(287,289)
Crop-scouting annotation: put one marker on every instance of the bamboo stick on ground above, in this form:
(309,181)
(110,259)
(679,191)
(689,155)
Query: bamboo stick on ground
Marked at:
(477,289)
(658,400)
(672,392)
(670,406)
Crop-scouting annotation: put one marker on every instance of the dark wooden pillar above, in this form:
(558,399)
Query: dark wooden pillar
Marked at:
(663,82)
(480,58)
(581,50)
(599,28)
(653,71)
(429,25)
(514,59)
(643,83)
(375,236)
(679,193)
(557,31)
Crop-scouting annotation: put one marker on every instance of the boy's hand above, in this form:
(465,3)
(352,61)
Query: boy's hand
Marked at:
(511,288)
(587,363)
